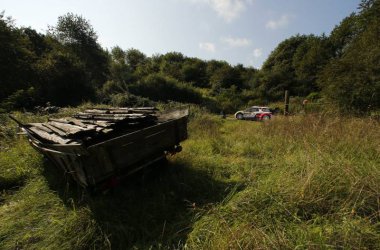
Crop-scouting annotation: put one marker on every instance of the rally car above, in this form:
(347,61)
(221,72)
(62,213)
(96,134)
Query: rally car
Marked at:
(254,113)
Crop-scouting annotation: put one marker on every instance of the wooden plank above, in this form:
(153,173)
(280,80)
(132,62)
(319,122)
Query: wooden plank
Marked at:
(97,123)
(126,108)
(109,115)
(110,118)
(41,127)
(59,120)
(71,121)
(97,111)
(68,128)
(77,122)
(49,137)
(54,129)
(120,111)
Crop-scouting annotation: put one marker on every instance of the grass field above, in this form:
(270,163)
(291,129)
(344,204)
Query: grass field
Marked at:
(304,182)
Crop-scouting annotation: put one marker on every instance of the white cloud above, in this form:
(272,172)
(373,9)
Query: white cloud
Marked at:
(210,47)
(237,42)
(254,57)
(227,9)
(283,21)
(257,53)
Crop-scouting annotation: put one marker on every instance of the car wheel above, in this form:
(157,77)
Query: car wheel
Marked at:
(265,118)
(239,116)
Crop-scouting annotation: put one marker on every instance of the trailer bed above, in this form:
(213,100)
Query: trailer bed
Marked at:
(98,145)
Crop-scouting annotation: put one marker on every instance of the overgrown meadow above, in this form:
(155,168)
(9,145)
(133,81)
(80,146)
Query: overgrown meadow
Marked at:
(305,182)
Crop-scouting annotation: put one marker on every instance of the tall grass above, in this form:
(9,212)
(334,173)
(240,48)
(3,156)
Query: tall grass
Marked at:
(311,182)
(307,182)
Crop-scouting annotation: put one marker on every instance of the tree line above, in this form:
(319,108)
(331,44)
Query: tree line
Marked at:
(67,66)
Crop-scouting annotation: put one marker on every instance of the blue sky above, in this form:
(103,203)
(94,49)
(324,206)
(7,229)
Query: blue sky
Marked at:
(237,31)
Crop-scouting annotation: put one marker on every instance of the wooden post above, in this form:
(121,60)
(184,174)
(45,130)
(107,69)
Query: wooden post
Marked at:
(286,110)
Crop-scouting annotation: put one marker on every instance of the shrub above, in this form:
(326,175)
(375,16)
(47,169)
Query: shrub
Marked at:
(129,100)
(162,88)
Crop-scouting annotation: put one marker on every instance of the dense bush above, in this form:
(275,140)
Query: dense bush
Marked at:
(158,87)
(129,100)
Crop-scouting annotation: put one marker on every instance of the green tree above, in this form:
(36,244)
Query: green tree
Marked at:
(194,71)
(310,57)
(62,79)
(77,34)
(159,87)
(294,65)
(16,59)
(171,64)
(353,80)
(224,77)
(134,58)
(120,73)
(343,34)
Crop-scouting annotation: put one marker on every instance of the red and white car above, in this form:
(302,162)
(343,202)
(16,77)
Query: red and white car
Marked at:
(256,113)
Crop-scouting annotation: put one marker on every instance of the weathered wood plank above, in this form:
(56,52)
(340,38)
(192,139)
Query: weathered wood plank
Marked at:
(62,120)
(110,118)
(120,111)
(104,124)
(94,114)
(54,129)
(77,122)
(71,121)
(40,126)
(126,108)
(68,128)
(49,137)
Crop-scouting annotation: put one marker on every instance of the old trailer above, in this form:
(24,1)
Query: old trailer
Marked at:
(100,145)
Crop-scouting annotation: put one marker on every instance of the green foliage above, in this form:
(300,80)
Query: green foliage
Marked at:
(20,99)
(129,100)
(162,88)
(194,71)
(308,60)
(230,100)
(74,30)
(294,66)
(343,34)
(224,77)
(352,80)
(134,58)
(171,64)
(77,34)
(61,73)
(15,59)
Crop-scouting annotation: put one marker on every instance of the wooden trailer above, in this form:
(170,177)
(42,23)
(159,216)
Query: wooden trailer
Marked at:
(100,145)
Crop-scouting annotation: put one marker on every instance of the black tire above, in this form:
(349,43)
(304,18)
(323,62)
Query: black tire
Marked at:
(265,118)
(239,116)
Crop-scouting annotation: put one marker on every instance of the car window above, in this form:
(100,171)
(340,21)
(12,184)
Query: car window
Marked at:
(265,110)
(252,110)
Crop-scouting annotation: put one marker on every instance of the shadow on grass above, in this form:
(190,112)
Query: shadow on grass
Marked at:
(153,208)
